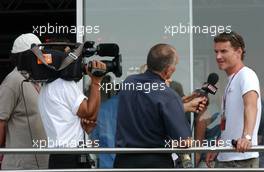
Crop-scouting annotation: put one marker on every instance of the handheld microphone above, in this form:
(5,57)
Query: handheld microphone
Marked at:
(209,86)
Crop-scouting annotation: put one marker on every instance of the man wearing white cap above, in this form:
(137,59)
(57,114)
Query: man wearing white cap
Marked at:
(20,122)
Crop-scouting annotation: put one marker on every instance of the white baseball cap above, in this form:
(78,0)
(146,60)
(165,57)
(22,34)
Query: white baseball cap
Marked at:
(24,42)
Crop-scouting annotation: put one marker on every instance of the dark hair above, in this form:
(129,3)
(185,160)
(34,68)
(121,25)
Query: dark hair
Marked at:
(234,38)
(160,56)
(176,86)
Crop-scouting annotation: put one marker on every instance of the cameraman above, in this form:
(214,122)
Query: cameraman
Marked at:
(66,112)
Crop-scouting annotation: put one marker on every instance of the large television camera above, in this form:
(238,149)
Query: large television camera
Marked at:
(48,61)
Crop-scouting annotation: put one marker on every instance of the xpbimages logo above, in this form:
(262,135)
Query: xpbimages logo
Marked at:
(63,29)
(146,87)
(181,143)
(62,143)
(182,28)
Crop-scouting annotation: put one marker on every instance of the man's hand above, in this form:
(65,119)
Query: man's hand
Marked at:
(96,65)
(186,99)
(210,157)
(243,145)
(88,125)
(197,105)
(89,108)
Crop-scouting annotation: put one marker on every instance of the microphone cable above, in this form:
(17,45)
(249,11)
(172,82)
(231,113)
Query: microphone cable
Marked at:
(27,115)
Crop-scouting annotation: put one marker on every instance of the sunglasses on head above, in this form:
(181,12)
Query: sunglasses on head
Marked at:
(235,38)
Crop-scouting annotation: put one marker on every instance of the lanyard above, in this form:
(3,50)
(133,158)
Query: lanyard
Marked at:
(226,90)
(224,97)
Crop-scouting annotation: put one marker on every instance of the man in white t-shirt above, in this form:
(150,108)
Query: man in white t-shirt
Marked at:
(241,105)
(66,112)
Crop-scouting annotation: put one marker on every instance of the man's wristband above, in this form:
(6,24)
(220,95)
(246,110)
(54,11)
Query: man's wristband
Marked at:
(248,137)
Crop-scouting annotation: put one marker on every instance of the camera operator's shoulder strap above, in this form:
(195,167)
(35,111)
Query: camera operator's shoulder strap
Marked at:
(72,56)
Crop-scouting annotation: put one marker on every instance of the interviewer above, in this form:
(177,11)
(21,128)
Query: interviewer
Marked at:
(148,119)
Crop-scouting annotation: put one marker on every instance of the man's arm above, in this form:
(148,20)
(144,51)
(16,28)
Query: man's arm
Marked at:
(2,132)
(200,129)
(89,108)
(250,112)
(250,116)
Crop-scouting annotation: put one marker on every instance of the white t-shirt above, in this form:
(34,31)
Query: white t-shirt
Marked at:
(244,81)
(59,102)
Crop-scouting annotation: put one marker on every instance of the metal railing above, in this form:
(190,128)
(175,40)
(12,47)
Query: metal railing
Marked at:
(128,150)
(123,150)
(147,169)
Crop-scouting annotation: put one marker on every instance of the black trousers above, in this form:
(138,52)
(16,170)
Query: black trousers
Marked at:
(58,161)
(143,161)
